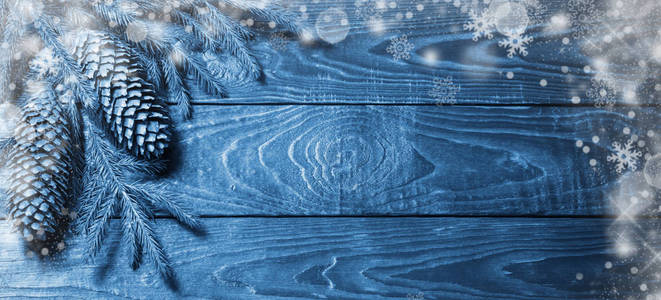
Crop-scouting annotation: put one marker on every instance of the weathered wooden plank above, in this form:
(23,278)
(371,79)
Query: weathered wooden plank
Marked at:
(344,258)
(356,160)
(401,160)
(360,70)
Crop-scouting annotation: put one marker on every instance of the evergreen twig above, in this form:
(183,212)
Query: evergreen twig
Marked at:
(199,40)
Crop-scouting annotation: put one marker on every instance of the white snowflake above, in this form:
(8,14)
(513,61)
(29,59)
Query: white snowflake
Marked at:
(515,43)
(537,11)
(602,93)
(45,63)
(444,90)
(278,41)
(418,296)
(584,16)
(400,47)
(369,10)
(624,156)
(481,25)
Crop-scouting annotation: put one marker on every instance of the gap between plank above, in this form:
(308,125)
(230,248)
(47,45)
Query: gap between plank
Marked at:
(457,216)
(644,105)
(446,216)
(449,216)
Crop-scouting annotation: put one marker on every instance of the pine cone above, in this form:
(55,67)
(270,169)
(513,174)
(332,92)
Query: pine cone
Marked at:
(40,166)
(133,114)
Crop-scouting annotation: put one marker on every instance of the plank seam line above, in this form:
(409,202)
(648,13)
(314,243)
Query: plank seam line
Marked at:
(449,216)
(583,105)
(458,216)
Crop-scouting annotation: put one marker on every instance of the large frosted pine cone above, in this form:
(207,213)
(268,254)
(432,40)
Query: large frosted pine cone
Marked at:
(40,166)
(130,108)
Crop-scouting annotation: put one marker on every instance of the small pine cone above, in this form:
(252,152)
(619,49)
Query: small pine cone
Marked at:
(133,114)
(40,166)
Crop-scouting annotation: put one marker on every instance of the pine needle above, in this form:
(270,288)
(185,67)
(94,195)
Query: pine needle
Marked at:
(232,37)
(162,199)
(176,89)
(197,67)
(154,74)
(13,31)
(70,69)
(110,189)
(271,11)
(5,148)
(202,41)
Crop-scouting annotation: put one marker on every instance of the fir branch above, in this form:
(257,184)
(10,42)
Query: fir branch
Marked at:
(92,199)
(176,89)
(195,66)
(130,237)
(232,38)
(224,22)
(223,66)
(112,179)
(5,147)
(114,14)
(139,234)
(130,165)
(157,41)
(78,149)
(201,32)
(117,192)
(159,38)
(100,182)
(71,73)
(77,16)
(109,189)
(269,11)
(99,220)
(152,69)
(160,199)
(13,31)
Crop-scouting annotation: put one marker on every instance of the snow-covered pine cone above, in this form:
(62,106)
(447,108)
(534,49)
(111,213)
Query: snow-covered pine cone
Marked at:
(133,114)
(40,167)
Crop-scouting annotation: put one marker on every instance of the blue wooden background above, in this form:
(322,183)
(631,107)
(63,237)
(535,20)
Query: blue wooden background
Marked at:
(338,177)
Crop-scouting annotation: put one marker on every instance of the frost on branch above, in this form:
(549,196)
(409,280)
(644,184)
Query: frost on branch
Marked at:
(107,67)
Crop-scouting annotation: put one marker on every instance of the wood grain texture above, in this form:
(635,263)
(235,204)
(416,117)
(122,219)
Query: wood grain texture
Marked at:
(385,160)
(360,70)
(379,160)
(341,258)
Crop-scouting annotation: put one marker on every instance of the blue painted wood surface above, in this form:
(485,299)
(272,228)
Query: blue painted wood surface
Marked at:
(343,258)
(330,155)
(360,70)
(393,160)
